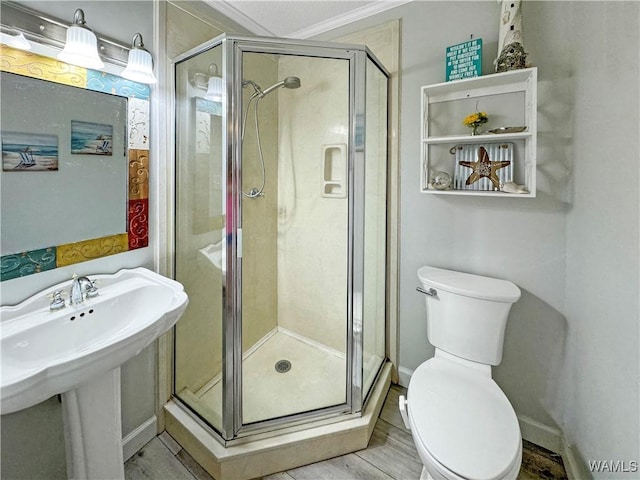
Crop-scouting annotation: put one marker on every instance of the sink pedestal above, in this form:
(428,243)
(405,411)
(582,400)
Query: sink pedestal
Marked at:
(93,428)
(79,350)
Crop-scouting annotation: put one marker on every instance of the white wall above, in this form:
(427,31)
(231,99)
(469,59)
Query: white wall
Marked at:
(571,347)
(590,54)
(32,443)
(521,240)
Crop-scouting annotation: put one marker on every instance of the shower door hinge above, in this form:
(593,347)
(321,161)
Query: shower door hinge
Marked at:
(239,243)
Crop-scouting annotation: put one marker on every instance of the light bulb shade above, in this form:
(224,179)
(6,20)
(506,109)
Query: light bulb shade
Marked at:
(214,89)
(139,67)
(15,41)
(81,48)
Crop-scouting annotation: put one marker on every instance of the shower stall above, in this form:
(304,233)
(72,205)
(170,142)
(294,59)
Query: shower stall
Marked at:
(280,232)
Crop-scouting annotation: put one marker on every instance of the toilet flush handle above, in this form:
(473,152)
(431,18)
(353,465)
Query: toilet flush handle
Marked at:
(432,292)
(402,405)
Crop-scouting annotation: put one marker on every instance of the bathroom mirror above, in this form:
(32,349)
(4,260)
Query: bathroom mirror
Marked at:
(75,164)
(64,164)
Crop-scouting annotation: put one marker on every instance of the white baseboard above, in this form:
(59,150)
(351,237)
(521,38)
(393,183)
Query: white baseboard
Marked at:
(540,434)
(573,464)
(404,375)
(139,438)
(553,439)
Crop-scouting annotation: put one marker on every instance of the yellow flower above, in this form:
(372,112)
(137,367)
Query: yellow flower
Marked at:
(475,119)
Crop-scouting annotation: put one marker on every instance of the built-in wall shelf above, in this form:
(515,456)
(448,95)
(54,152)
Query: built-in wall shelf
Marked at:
(510,100)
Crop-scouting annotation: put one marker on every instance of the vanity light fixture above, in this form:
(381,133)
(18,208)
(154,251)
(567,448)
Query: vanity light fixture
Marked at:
(81,47)
(140,64)
(214,85)
(16,41)
(42,30)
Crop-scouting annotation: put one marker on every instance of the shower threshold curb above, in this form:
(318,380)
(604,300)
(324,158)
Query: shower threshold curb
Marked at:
(279,453)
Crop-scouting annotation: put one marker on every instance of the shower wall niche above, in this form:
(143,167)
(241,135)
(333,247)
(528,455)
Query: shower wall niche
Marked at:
(286,279)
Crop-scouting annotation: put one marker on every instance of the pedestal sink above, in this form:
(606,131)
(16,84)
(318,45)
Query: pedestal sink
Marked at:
(77,351)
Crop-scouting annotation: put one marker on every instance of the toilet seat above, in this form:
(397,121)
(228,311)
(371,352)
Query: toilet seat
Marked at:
(445,473)
(463,422)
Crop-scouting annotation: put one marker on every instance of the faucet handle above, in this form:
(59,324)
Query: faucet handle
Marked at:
(92,290)
(57,302)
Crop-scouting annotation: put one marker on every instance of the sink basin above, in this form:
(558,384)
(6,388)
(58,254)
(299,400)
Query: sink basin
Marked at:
(44,353)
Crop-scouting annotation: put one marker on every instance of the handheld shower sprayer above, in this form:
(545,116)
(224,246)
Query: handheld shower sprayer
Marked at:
(258,94)
(289,82)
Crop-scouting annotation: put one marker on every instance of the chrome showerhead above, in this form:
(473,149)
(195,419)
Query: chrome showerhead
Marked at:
(289,82)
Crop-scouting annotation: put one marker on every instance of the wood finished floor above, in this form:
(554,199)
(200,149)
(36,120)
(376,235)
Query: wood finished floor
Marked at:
(391,454)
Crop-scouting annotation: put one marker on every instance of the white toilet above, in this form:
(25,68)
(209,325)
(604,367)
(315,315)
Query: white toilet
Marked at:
(462,423)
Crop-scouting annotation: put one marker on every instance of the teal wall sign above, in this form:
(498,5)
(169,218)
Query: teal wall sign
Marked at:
(464,60)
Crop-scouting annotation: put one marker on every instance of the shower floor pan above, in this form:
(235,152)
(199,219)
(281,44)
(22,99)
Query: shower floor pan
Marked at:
(263,456)
(316,379)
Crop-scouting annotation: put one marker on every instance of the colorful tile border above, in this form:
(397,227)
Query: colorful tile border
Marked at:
(137,236)
(138,223)
(138,133)
(138,174)
(27,263)
(77,252)
(44,68)
(115,85)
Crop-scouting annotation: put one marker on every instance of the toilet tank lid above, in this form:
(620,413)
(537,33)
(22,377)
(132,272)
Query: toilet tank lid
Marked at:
(469,285)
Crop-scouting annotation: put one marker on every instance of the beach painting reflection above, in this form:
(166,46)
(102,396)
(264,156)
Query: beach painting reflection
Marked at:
(29,152)
(91,138)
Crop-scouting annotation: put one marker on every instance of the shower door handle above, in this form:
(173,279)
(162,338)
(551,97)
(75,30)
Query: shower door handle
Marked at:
(432,292)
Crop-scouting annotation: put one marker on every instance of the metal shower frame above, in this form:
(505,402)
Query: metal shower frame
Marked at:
(233,48)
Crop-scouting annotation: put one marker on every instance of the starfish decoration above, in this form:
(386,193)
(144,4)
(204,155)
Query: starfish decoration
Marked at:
(484,168)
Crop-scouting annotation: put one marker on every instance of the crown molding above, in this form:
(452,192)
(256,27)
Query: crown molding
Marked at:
(232,13)
(342,20)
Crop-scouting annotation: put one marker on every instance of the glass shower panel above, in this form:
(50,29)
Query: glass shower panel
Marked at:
(200,238)
(295,234)
(375,224)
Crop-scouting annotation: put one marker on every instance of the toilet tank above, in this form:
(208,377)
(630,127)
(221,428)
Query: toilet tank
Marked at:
(467,314)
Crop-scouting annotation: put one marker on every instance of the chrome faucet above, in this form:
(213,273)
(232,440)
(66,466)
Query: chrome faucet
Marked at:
(76,295)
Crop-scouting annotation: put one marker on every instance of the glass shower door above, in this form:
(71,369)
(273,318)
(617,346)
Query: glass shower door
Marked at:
(200,256)
(295,252)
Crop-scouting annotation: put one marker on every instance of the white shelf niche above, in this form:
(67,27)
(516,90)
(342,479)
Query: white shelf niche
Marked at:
(509,98)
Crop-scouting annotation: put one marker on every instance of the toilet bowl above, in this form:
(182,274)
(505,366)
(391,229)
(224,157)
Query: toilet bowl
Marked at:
(463,425)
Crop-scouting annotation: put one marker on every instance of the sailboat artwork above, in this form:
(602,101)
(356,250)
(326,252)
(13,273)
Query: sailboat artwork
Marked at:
(29,152)
(91,138)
